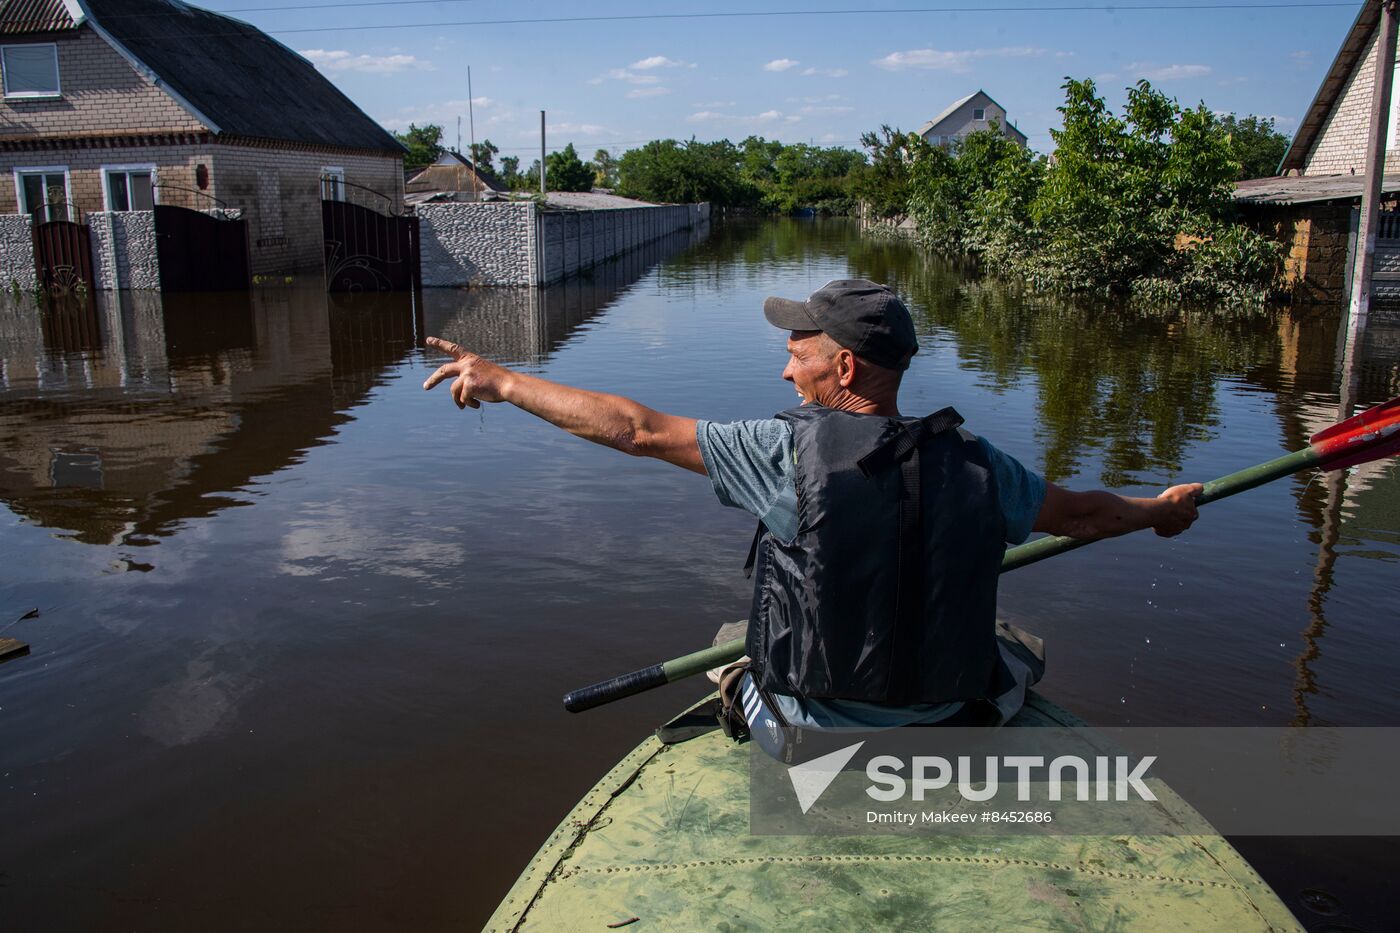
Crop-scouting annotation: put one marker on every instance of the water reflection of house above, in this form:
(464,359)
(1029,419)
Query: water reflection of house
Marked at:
(124,415)
(173,409)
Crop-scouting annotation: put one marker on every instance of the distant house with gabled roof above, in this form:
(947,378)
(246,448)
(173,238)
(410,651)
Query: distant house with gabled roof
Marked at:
(116,105)
(453,172)
(977,111)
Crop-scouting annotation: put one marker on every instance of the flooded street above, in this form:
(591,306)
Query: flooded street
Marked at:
(305,627)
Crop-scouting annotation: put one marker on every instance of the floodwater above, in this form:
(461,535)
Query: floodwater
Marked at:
(304,628)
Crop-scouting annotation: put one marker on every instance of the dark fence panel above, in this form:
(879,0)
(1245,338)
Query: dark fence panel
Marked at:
(63,255)
(367,251)
(199,252)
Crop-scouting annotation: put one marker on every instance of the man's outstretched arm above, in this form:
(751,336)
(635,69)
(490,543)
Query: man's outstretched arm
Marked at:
(1102,514)
(610,420)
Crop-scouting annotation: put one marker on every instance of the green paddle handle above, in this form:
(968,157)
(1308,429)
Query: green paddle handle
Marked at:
(1225,486)
(658,675)
(1031,552)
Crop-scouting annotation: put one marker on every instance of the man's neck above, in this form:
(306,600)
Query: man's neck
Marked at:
(861,405)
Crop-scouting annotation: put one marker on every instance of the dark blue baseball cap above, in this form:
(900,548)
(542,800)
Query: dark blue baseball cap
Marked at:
(865,318)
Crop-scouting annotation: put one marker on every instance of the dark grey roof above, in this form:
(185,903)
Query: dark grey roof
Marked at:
(1308,189)
(237,77)
(1348,57)
(21,16)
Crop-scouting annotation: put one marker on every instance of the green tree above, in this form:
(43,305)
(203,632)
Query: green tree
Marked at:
(882,184)
(424,144)
(1134,204)
(482,154)
(604,169)
(566,172)
(510,169)
(1256,145)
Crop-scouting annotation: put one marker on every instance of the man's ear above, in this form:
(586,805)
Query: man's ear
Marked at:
(845,367)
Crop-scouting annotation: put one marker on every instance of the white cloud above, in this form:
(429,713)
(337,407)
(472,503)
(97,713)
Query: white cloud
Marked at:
(768,115)
(958,60)
(648,91)
(712,104)
(1301,57)
(813,110)
(825,72)
(781,64)
(334,60)
(1168,72)
(659,61)
(704,116)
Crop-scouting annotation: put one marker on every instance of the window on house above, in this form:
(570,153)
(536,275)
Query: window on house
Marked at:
(130,189)
(43,193)
(979,113)
(332,184)
(30,70)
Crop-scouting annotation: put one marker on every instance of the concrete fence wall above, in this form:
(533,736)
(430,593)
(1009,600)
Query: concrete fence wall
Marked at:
(17,252)
(571,241)
(477,243)
(494,243)
(124,249)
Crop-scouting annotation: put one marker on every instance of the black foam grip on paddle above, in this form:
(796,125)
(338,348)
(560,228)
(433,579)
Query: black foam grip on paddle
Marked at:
(625,685)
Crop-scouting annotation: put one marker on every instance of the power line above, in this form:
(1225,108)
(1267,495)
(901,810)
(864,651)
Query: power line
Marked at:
(752,14)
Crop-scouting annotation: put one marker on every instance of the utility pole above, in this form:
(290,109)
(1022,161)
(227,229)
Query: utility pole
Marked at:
(1375,176)
(471,126)
(543,188)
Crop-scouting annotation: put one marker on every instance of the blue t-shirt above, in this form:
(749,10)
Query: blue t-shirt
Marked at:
(751,466)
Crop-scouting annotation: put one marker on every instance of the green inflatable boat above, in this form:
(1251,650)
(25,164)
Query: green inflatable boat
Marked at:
(662,842)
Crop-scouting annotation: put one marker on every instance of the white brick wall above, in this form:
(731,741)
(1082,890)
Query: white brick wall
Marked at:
(1341,146)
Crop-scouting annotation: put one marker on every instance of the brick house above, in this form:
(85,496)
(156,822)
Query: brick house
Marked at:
(977,111)
(116,105)
(1311,204)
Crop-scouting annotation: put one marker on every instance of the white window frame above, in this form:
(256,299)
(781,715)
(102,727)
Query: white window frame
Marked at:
(31,95)
(108,170)
(337,172)
(979,113)
(21,170)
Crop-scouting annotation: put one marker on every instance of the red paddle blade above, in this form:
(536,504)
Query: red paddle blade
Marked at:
(1371,435)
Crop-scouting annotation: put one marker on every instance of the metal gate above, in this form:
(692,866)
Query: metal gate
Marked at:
(367,249)
(62,250)
(199,251)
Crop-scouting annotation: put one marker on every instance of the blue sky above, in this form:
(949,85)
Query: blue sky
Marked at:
(824,79)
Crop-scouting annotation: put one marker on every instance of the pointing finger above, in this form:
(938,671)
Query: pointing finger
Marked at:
(446,346)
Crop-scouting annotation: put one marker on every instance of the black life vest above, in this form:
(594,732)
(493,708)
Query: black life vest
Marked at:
(888,592)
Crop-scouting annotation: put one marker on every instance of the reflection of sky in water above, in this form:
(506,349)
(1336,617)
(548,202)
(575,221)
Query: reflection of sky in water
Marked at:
(342,575)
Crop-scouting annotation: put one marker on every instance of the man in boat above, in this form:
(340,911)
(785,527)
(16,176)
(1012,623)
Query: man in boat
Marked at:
(880,536)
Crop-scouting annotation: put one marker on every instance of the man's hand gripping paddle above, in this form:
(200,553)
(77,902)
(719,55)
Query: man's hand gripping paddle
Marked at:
(1372,435)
